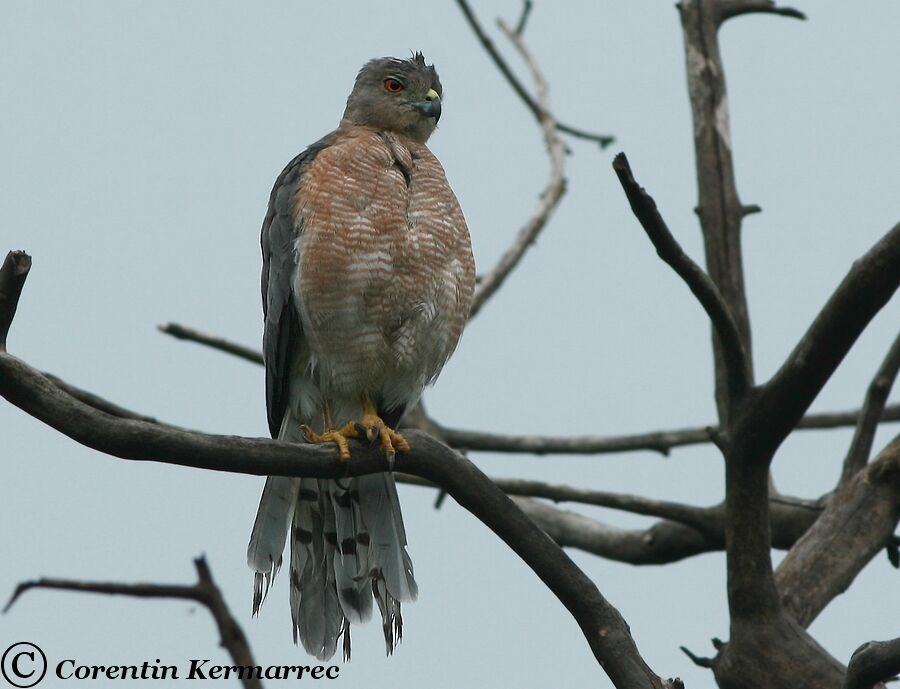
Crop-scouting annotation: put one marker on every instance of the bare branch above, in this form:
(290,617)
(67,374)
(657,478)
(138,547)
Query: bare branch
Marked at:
(697,660)
(872,409)
(661,442)
(719,207)
(489,283)
(523,18)
(602,625)
(736,8)
(204,592)
(662,543)
(704,519)
(183,333)
(669,540)
(657,441)
(12,278)
(782,401)
(603,140)
(859,519)
(735,357)
(96,401)
(873,662)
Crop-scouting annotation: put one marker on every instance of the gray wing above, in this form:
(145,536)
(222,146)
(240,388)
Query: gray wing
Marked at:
(282,323)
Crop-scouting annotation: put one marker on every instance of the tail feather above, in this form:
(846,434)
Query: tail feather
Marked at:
(348,545)
(352,552)
(266,546)
(391,619)
(318,618)
(381,512)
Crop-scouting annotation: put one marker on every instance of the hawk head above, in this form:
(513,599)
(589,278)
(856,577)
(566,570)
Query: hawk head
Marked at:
(402,96)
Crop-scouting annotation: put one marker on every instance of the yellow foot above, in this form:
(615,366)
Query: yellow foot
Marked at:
(338,437)
(372,426)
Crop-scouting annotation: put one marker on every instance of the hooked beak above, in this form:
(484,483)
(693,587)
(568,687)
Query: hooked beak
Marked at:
(431,107)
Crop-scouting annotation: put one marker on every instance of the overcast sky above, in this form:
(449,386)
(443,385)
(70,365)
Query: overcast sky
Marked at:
(138,146)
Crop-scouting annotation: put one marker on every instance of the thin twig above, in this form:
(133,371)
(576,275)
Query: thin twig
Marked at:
(644,208)
(556,186)
(12,278)
(183,333)
(204,592)
(603,140)
(872,409)
(697,660)
(523,18)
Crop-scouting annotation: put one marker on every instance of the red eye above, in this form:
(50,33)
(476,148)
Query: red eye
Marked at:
(393,86)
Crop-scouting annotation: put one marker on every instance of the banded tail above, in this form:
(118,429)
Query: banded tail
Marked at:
(348,545)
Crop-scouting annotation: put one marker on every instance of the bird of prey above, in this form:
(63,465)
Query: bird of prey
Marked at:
(367,282)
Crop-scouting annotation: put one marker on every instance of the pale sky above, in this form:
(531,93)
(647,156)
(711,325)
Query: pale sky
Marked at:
(138,145)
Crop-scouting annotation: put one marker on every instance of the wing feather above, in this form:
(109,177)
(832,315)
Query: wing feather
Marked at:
(282,332)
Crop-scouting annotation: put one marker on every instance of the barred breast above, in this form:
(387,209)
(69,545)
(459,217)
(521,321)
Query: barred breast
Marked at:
(385,270)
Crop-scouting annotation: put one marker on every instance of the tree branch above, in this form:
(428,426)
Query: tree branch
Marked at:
(489,283)
(662,543)
(872,410)
(657,441)
(523,18)
(665,541)
(735,358)
(602,625)
(736,8)
(707,520)
(718,206)
(782,401)
(13,274)
(855,525)
(204,592)
(183,333)
(873,662)
(603,140)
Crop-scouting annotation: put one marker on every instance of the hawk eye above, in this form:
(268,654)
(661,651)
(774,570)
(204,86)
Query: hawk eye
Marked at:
(391,85)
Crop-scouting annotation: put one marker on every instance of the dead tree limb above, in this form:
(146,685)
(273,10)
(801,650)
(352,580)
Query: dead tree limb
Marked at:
(204,592)
(873,662)
(719,208)
(854,526)
(738,376)
(550,197)
(602,625)
(872,411)
(463,439)
(736,8)
(182,333)
(767,646)
(12,277)
(603,140)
